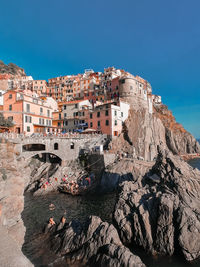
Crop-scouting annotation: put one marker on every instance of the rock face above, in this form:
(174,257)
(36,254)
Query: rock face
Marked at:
(143,132)
(12,69)
(178,140)
(92,242)
(13,179)
(163,215)
(124,170)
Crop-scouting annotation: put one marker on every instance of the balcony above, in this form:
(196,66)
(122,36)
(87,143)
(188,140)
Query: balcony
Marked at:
(19,98)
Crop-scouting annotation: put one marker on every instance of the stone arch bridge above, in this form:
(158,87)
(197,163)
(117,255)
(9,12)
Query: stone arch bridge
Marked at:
(66,148)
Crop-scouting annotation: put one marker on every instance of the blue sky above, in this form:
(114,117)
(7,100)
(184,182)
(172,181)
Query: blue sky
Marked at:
(158,40)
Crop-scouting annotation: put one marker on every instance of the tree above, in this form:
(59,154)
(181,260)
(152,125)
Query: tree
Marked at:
(5,122)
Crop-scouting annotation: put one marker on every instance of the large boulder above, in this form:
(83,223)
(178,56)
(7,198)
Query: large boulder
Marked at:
(163,215)
(92,242)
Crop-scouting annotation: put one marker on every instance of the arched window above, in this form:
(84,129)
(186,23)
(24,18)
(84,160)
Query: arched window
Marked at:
(56,146)
(72,146)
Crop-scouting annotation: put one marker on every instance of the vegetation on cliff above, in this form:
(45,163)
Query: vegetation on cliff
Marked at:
(11,68)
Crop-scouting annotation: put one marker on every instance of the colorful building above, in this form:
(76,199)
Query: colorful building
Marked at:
(108,118)
(29,113)
(71,115)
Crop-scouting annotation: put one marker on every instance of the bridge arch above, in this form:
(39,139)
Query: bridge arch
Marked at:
(33,147)
(49,156)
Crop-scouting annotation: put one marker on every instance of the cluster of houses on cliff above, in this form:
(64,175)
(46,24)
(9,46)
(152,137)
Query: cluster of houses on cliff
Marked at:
(89,102)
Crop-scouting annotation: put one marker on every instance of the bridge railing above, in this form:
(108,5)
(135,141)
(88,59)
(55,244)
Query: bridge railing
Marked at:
(13,136)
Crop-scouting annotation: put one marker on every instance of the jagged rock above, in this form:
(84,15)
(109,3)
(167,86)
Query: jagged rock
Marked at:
(113,255)
(92,242)
(143,131)
(162,215)
(11,68)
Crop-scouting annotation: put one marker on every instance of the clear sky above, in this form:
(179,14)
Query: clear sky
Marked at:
(158,40)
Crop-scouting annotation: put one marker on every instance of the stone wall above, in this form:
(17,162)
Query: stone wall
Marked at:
(13,179)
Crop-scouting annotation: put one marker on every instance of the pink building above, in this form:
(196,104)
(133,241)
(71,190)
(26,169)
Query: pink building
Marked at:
(108,118)
(29,114)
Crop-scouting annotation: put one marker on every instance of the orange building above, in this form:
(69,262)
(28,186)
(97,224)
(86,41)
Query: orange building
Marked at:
(29,114)
(39,87)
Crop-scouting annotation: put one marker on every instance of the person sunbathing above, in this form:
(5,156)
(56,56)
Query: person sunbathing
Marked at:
(63,220)
(51,221)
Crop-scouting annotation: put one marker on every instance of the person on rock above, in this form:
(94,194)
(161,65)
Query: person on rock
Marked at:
(50,226)
(51,221)
(62,223)
(88,180)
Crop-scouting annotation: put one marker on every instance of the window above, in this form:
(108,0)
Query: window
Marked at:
(26,118)
(10,107)
(66,123)
(122,114)
(27,107)
(48,113)
(106,112)
(91,124)
(10,96)
(131,87)
(107,122)
(76,105)
(64,107)
(40,121)
(98,114)
(56,146)
(41,110)
(49,122)
(28,129)
(123,81)
(59,124)
(99,123)
(65,115)
(90,115)
(59,116)
(72,146)
(115,122)
(115,113)
(43,121)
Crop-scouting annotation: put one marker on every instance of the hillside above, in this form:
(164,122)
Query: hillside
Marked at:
(12,69)
(143,132)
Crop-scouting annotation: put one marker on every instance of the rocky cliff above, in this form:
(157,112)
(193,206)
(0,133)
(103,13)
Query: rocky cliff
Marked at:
(178,140)
(161,213)
(92,243)
(13,180)
(11,68)
(143,131)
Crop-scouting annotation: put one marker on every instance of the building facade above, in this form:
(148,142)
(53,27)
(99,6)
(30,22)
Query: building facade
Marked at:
(29,114)
(108,118)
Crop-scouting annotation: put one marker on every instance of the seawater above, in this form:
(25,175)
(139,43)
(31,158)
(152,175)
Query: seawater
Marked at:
(195,163)
(37,212)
